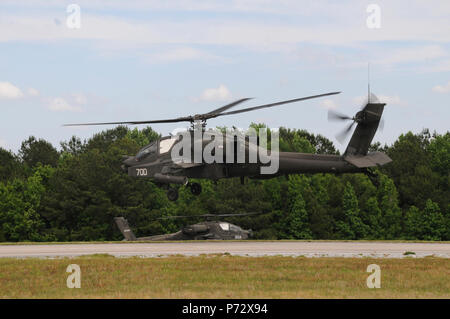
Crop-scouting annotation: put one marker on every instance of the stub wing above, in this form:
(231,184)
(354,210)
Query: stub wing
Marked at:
(370,160)
(187,165)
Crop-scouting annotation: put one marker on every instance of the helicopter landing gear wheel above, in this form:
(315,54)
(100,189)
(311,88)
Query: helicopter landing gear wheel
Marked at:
(172,194)
(196,188)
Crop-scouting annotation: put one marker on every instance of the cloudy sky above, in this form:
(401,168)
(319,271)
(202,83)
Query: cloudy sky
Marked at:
(143,60)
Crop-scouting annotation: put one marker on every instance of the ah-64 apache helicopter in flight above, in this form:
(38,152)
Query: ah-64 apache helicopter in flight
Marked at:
(155,160)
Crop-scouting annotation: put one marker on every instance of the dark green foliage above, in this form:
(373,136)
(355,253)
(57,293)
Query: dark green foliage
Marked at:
(414,176)
(33,152)
(439,149)
(351,227)
(428,224)
(74,194)
(391,214)
(19,205)
(10,165)
(295,224)
(290,139)
(73,146)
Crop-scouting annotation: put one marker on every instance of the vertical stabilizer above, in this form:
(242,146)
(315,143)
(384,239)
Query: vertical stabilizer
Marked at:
(124,228)
(368,120)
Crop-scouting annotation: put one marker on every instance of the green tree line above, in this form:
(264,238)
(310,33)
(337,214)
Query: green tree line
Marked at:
(72,194)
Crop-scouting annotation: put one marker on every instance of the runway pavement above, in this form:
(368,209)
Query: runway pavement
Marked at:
(244,248)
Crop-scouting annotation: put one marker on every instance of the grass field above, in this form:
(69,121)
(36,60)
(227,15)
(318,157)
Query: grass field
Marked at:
(223,276)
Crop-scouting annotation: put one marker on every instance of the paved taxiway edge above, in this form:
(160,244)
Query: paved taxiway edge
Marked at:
(243,248)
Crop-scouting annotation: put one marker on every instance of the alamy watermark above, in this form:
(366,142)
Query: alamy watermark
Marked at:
(373,21)
(73,20)
(74,279)
(229,146)
(374,280)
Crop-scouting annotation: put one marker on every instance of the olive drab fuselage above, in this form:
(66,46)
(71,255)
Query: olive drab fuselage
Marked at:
(148,163)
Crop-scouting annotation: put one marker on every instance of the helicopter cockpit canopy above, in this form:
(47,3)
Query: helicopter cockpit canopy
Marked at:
(229,227)
(165,145)
(146,151)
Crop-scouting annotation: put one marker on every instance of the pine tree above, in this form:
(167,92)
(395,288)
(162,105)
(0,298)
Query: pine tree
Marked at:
(390,210)
(296,224)
(433,222)
(374,218)
(413,223)
(352,227)
(428,224)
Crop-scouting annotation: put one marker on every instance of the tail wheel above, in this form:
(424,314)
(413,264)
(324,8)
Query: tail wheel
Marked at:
(172,194)
(196,188)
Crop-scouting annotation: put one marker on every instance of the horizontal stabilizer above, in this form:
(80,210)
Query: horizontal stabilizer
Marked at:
(369,160)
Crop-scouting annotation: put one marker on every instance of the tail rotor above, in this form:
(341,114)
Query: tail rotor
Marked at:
(336,116)
(368,113)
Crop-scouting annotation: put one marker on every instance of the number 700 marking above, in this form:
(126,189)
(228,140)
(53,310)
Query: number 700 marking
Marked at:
(141,171)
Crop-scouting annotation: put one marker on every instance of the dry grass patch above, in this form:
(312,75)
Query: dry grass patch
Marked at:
(221,276)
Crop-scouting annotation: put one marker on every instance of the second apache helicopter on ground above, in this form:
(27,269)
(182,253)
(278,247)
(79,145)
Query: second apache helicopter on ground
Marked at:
(155,160)
(207,230)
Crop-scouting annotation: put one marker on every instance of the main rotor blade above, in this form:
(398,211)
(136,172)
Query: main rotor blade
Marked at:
(277,103)
(228,106)
(179,119)
(210,215)
(212,114)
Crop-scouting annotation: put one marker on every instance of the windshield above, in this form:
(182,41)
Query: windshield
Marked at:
(151,149)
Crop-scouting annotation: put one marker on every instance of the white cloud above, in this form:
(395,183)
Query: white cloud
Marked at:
(59,104)
(327,23)
(79,98)
(442,88)
(311,40)
(328,104)
(216,94)
(181,54)
(33,92)
(414,54)
(9,91)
